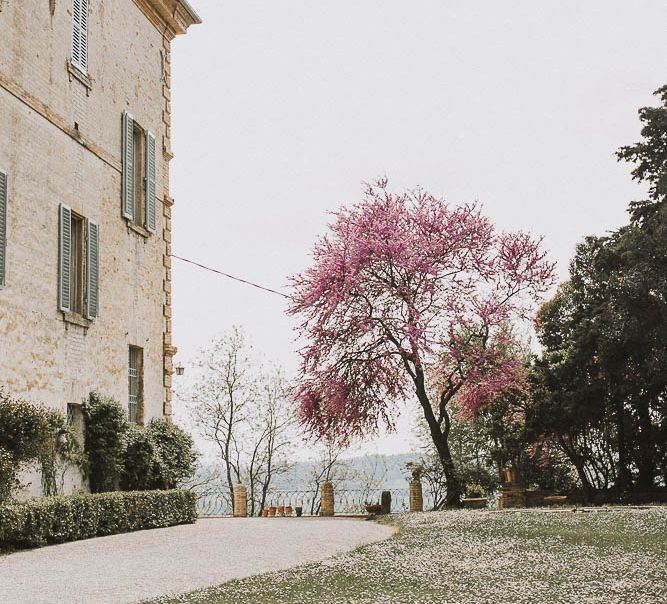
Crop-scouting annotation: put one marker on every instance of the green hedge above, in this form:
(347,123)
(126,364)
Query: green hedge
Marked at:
(71,517)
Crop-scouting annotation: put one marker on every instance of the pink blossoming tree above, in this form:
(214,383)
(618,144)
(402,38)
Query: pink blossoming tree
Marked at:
(410,297)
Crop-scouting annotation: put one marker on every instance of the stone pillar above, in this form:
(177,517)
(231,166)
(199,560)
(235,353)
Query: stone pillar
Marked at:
(240,501)
(512,496)
(512,492)
(385,502)
(327,506)
(416,497)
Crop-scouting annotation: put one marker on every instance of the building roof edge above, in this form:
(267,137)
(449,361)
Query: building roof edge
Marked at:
(191,11)
(175,15)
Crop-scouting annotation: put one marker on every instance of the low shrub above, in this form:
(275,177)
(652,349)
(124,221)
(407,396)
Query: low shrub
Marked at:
(475,491)
(126,456)
(138,460)
(159,456)
(177,454)
(72,517)
(7,474)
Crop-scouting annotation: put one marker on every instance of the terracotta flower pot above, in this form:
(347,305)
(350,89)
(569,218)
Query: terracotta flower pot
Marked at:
(281,510)
(272,511)
(265,513)
(288,510)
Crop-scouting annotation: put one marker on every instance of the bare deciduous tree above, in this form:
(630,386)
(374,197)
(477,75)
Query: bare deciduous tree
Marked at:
(242,407)
(327,467)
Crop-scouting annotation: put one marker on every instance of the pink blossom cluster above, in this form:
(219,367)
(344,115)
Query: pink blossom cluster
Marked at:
(404,288)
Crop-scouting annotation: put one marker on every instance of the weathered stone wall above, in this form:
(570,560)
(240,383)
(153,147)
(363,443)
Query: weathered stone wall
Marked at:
(60,142)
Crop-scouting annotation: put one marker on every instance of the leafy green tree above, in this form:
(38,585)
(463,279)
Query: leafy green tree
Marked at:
(650,158)
(138,460)
(601,382)
(106,426)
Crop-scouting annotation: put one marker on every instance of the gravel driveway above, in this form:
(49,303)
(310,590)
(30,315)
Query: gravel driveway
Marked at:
(136,566)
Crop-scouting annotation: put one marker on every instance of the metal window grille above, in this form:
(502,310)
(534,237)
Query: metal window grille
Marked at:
(133,383)
(70,414)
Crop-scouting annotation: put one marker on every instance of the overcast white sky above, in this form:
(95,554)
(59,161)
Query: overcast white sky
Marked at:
(283,107)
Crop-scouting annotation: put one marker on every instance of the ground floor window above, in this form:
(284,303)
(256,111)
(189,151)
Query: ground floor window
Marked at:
(75,421)
(135,383)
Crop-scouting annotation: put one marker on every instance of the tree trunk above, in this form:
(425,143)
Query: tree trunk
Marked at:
(578,462)
(440,440)
(624,478)
(454,486)
(646,465)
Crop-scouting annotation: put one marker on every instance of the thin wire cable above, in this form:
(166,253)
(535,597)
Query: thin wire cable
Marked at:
(215,270)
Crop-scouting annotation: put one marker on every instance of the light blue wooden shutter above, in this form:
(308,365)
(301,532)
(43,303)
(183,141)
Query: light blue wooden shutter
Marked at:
(3,227)
(65,250)
(128,166)
(80,35)
(150,182)
(93,270)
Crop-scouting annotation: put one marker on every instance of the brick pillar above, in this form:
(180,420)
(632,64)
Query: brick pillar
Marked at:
(240,501)
(512,496)
(327,506)
(416,497)
(512,492)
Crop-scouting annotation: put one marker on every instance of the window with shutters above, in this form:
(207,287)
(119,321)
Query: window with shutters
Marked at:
(135,384)
(139,176)
(138,140)
(80,35)
(78,265)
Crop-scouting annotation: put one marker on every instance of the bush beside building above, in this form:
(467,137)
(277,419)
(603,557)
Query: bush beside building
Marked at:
(72,517)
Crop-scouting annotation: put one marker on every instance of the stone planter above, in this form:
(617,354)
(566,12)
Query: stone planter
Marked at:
(475,503)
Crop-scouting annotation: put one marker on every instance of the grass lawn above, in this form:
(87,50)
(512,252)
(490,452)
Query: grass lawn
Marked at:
(482,557)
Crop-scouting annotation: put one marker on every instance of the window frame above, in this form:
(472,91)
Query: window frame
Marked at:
(139,177)
(139,174)
(75,421)
(78,264)
(135,384)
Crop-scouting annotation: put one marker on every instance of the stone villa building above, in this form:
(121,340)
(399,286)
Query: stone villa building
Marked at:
(85,211)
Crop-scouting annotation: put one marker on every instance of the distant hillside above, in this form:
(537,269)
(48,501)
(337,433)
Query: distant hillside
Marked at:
(380,471)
